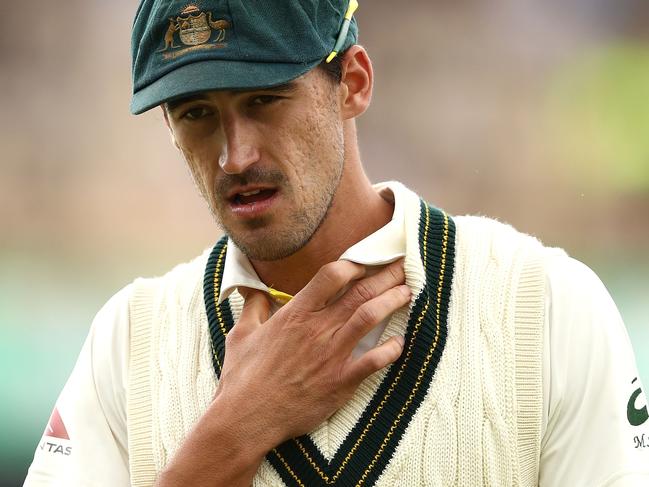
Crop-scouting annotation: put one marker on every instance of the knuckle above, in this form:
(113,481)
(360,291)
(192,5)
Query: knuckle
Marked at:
(367,315)
(294,316)
(306,325)
(396,272)
(331,272)
(363,290)
(343,383)
(292,311)
(232,338)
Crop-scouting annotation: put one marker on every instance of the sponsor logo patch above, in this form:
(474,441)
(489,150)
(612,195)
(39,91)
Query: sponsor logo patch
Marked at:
(637,415)
(55,430)
(55,448)
(55,427)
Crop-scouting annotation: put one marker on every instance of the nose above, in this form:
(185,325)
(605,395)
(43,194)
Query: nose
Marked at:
(240,150)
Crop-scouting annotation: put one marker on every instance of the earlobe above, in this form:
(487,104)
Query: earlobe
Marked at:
(357,81)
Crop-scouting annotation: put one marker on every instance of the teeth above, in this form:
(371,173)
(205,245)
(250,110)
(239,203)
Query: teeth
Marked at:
(250,193)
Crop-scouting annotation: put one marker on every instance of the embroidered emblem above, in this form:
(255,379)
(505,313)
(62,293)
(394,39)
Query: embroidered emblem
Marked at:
(196,31)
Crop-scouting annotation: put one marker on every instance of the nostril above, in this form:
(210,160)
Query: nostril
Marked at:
(223,160)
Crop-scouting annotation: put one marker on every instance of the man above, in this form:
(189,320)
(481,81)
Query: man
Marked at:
(342,333)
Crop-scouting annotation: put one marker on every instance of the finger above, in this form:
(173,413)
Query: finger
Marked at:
(256,309)
(372,286)
(328,283)
(374,360)
(369,315)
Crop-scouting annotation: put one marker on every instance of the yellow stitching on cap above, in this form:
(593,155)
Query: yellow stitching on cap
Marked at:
(342,35)
(353,6)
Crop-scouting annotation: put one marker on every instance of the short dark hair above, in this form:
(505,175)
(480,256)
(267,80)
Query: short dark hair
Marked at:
(334,69)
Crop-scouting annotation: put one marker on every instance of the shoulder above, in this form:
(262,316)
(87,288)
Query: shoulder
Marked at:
(182,275)
(491,233)
(570,281)
(581,311)
(113,326)
(590,378)
(181,283)
(496,243)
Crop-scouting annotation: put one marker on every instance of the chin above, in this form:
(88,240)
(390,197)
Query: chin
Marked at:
(268,245)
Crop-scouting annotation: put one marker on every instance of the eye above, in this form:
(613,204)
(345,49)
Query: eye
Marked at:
(197,113)
(264,100)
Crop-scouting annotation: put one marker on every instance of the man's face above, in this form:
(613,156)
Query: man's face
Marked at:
(268,162)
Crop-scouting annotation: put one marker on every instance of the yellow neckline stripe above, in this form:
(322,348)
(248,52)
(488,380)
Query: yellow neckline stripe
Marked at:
(279,297)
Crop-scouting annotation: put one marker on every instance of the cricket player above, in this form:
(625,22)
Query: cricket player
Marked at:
(341,333)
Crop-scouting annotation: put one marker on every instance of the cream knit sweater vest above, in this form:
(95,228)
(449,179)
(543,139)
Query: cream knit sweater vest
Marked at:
(480,421)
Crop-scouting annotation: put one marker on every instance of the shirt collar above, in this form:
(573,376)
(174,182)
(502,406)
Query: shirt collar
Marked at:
(385,245)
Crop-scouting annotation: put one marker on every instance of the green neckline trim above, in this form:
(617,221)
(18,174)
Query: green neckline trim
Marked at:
(369,446)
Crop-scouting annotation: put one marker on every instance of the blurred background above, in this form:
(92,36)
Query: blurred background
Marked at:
(536,113)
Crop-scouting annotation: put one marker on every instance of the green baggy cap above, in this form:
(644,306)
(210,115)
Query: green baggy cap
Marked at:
(181,48)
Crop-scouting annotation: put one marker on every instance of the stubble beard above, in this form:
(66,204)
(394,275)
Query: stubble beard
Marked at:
(265,241)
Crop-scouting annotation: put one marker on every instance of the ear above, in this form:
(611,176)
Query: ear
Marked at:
(171,131)
(357,81)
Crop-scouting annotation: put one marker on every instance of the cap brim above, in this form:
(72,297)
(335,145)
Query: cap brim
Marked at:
(216,74)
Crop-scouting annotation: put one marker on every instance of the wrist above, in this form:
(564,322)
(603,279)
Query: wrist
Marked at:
(246,425)
(221,450)
(247,438)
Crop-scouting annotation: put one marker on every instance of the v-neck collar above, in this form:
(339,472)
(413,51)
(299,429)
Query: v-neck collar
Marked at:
(382,247)
(370,444)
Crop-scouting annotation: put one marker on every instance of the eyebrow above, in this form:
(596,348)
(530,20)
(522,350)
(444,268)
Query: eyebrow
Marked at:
(173,104)
(283,88)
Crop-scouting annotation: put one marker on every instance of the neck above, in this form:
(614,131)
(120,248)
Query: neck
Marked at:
(357,211)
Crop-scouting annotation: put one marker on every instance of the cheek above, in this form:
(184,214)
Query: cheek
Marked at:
(202,168)
(310,137)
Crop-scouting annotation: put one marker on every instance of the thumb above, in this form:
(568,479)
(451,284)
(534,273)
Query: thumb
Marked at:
(256,308)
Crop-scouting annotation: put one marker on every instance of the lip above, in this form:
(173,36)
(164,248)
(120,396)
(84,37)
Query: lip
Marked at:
(245,189)
(255,209)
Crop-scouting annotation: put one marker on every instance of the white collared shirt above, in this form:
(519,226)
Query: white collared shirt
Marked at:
(588,377)
(382,247)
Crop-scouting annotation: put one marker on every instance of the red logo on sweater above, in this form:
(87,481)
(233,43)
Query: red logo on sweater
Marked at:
(55,427)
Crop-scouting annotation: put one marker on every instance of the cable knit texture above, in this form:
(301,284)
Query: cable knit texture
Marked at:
(480,421)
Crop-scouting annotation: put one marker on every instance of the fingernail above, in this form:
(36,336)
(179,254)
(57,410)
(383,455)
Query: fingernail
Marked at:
(400,340)
(405,290)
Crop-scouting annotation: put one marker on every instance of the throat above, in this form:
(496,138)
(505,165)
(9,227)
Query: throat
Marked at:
(330,241)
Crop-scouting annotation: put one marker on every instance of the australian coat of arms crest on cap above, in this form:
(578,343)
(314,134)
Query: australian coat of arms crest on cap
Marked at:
(196,31)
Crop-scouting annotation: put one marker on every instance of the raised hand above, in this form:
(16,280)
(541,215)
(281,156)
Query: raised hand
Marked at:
(283,375)
(290,372)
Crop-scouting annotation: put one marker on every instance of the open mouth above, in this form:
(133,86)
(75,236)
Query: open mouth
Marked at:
(253,196)
(252,202)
